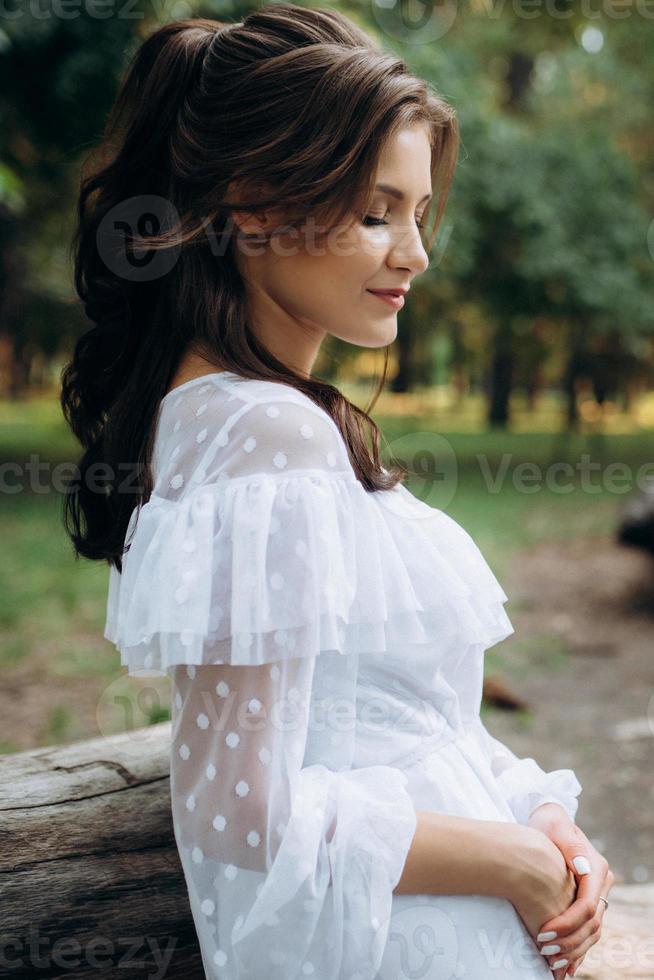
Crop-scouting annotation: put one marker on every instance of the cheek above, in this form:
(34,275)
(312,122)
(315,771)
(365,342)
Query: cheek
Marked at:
(353,261)
(338,270)
(313,281)
(308,287)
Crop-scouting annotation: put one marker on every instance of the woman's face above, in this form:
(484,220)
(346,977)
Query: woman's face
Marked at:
(301,288)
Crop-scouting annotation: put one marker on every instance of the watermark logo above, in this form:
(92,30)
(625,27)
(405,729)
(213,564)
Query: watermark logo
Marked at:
(130,705)
(415,23)
(431,463)
(422,944)
(137,217)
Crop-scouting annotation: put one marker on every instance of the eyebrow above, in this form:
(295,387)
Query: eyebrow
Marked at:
(394,192)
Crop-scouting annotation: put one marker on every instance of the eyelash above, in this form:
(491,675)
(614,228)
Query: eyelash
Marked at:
(372,222)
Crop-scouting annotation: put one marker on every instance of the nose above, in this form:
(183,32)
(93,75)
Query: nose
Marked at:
(408,252)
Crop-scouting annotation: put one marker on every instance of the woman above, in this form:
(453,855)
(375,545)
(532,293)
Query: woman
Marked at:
(340,810)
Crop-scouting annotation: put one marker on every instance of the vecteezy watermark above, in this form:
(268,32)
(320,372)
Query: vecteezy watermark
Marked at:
(588,9)
(221,709)
(562,476)
(142,215)
(447,938)
(429,458)
(431,463)
(128,707)
(141,954)
(620,954)
(426,21)
(98,478)
(422,942)
(417,23)
(137,218)
(39,10)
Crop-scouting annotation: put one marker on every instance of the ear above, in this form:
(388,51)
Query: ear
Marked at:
(248,223)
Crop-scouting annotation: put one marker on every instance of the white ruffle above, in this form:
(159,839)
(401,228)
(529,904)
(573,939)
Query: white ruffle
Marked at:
(525,786)
(260,568)
(522,782)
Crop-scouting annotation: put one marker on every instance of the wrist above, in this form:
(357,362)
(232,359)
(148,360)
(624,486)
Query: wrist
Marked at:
(519,856)
(547,815)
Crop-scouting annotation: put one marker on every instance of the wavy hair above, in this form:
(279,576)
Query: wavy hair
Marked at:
(292,105)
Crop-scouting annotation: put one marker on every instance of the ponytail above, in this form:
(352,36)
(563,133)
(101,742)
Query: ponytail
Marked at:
(120,367)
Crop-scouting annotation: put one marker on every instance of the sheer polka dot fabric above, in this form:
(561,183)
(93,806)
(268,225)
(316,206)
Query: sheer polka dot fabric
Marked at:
(325,649)
(259,543)
(290,866)
(208,435)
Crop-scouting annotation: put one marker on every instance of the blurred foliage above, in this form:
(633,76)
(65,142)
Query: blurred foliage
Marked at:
(542,274)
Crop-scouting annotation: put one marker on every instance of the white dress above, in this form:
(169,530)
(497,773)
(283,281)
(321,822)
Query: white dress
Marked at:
(325,646)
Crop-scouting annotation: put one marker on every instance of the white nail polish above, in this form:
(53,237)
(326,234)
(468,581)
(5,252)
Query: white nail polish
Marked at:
(543,936)
(581,864)
(550,950)
(559,963)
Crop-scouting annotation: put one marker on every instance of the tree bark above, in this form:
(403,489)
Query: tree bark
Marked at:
(92,880)
(404,379)
(501,375)
(576,368)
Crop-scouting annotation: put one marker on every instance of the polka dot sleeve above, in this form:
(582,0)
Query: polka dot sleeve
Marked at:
(290,867)
(250,549)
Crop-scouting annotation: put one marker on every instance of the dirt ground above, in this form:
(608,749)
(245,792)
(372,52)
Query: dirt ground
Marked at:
(583,612)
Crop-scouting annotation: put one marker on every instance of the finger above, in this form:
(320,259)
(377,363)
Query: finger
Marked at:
(589,888)
(575,945)
(581,949)
(586,863)
(578,943)
(576,966)
(560,972)
(580,855)
(580,864)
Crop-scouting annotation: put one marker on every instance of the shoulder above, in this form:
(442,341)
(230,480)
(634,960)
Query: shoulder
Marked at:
(228,427)
(281,419)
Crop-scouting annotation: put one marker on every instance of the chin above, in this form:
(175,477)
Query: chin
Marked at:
(382,338)
(377,335)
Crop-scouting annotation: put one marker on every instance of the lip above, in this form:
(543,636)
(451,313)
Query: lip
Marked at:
(394,299)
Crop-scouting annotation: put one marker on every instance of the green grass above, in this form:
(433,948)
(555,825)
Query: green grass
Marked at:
(462,474)
(34,425)
(48,600)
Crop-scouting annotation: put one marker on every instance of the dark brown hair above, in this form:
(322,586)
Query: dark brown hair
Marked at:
(293,104)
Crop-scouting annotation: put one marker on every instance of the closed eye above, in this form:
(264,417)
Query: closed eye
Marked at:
(370,221)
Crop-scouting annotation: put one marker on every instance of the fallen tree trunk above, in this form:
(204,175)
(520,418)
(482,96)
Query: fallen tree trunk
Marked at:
(92,883)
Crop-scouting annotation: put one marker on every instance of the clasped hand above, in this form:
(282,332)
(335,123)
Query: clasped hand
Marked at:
(564,899)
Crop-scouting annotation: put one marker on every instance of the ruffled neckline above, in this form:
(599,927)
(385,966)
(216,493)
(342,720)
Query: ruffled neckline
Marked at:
(259,570)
